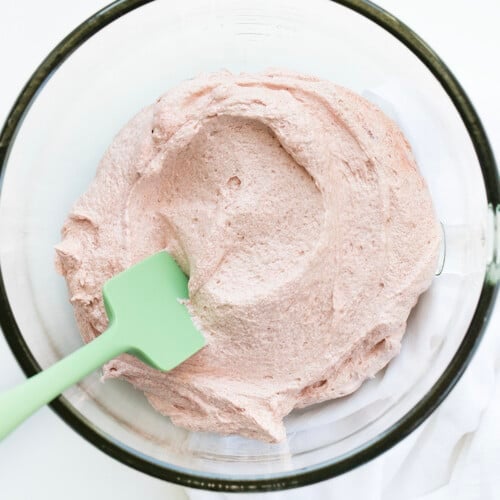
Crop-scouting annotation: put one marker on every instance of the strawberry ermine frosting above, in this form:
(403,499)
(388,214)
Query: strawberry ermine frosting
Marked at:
(297,210)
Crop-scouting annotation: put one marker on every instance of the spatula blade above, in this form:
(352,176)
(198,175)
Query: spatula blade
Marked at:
(143,305)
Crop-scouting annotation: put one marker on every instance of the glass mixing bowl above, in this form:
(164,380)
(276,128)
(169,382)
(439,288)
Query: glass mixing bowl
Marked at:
(122,59)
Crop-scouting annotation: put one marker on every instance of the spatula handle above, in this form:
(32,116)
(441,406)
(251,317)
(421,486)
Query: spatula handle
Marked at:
(17,404)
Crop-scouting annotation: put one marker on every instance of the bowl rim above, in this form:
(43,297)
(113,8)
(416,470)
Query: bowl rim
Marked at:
(385,440)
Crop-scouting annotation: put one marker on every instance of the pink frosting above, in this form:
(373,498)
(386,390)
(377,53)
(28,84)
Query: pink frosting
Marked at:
(297,210)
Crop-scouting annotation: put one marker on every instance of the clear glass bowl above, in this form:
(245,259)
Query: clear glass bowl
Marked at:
(122,59)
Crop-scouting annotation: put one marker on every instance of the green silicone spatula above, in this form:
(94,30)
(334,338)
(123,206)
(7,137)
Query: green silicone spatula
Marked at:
(146,319)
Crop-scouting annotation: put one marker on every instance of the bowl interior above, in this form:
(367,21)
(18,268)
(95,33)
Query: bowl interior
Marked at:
(126,66)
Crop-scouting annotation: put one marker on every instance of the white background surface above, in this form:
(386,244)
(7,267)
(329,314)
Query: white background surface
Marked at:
(45,459)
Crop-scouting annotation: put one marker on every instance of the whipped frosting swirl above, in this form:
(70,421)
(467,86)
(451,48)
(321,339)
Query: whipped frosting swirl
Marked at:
(297,210)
